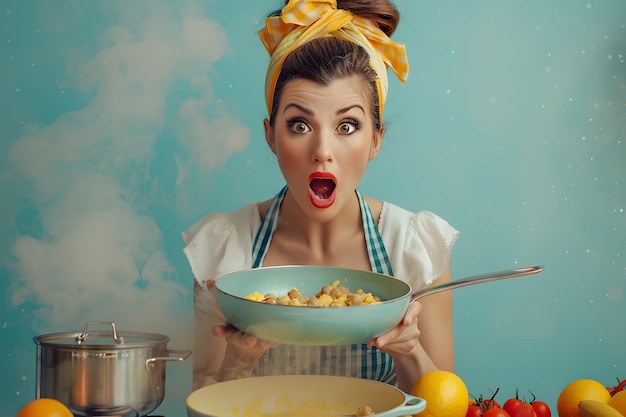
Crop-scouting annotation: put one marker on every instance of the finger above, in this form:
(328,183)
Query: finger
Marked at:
(411,314)
(210,284)
(225,330)
(234,336)
(219,331)
(386,337)
(249,340)
(237,338)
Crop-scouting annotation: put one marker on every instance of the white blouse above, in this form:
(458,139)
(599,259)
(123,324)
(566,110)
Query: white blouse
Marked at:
(418,246)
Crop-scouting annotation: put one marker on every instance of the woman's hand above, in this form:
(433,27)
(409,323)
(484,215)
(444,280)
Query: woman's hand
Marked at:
(402,339)
(245,346)
(429,346)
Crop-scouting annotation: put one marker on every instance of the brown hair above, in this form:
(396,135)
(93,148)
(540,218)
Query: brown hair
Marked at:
(323,60)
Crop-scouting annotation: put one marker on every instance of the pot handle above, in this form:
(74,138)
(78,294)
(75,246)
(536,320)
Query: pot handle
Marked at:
(412,405)
(85,334)
(184,355)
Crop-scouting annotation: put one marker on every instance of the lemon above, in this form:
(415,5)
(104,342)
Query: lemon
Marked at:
(618,402)
(577,391)
(445,393)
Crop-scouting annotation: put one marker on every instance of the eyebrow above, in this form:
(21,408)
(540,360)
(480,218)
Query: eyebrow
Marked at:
(309,112)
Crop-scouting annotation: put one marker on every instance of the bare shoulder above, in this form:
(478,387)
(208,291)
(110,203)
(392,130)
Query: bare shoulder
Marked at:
(375,206)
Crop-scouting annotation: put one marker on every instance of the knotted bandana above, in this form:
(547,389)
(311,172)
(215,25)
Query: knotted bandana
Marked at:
(303,20)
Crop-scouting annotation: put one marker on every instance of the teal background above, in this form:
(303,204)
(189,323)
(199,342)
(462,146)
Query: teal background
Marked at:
(123,122)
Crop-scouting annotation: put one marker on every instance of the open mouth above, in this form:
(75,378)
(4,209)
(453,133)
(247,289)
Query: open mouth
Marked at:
(322,188)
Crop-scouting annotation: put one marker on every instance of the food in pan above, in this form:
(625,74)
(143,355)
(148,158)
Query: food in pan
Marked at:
(332,295)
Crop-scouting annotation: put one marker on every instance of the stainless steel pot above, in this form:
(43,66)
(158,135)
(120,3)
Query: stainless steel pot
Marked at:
(104,373)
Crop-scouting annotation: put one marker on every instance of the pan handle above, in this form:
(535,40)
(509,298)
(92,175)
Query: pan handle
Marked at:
(411,406)
(185,353)
(477,279)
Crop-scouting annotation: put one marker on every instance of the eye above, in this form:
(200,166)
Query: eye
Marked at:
(347,127)
(298,126)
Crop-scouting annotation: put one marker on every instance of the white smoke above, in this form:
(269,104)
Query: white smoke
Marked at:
(100,253)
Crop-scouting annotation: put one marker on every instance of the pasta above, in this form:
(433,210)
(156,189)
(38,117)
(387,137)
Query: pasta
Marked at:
(332,295)
(365,410)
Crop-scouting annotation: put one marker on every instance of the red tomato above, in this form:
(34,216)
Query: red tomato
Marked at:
(621,385)
(541,409)
(491,403)
(525,410)
(474,410)
(496,412)
(518,408)
(512,405)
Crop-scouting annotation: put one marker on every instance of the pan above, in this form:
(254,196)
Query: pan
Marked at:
(303,325)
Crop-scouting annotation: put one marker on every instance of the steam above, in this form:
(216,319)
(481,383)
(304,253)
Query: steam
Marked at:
(98,252)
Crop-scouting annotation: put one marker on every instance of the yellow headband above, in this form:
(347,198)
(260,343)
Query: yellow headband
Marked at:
(303,20)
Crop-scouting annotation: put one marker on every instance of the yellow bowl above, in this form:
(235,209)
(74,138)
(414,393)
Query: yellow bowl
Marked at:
(300,396)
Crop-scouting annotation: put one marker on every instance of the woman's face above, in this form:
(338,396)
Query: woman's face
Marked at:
(323,138)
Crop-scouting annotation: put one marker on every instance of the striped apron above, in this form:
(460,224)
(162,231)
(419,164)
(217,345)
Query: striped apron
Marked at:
(357,361)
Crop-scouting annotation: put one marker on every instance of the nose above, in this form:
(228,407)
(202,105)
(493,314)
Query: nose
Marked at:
(321,148)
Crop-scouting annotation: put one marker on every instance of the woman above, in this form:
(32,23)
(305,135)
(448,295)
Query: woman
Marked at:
(325,90)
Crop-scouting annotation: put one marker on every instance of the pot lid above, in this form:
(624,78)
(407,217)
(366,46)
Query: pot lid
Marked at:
(112,339)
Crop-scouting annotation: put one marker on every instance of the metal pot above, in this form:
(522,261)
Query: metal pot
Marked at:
(111,373)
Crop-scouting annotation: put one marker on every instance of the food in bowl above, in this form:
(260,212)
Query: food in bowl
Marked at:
(306,325)
(364,410)
(331,295)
